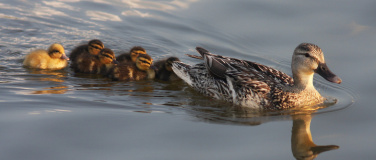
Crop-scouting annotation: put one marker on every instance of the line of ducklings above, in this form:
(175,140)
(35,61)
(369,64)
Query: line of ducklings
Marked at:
(94,58)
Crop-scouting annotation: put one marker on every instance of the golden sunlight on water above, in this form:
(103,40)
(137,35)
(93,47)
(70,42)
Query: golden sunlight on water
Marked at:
(56,77)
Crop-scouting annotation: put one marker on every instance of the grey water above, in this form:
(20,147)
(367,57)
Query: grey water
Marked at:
(60,115)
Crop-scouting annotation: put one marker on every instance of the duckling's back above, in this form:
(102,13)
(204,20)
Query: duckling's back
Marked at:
(37,59)
(127,72)
(124,58)
(82,49)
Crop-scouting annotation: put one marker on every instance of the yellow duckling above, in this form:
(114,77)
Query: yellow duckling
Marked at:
(139,70)
(96,64)
(93,47)
(54,58)
(132,55)
(163,69)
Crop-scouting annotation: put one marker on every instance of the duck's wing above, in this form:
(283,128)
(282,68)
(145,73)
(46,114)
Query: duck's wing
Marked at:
(219,66)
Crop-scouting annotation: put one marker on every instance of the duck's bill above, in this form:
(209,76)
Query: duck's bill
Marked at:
(64,57)
(324,72)
(115,62)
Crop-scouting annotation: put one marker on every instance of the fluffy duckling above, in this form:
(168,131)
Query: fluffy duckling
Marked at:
(96,64)
(132,55)
(54,58)
(163,69)
(92,48)
(139,70)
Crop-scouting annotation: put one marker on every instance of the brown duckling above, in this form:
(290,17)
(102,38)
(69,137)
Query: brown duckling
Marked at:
(96,64)
(54,58)
(132,55)
(92,48)
(139,70)
(163,69)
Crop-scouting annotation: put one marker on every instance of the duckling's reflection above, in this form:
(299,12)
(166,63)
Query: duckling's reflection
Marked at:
(51,76)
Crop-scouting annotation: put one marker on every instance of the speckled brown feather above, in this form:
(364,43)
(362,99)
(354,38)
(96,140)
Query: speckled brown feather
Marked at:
(127,72)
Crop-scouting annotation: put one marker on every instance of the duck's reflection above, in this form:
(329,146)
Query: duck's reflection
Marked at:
(302,145)
(55,77)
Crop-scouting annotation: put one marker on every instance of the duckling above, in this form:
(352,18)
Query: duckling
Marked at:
(132,55)
(92,48)
(54,58)
(139,70)
(163,69)
(252,85)
(96,64)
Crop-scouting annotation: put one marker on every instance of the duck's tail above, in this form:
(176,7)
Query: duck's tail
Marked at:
(181,70)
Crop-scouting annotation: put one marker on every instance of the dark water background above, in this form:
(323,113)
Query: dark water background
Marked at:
(59,115)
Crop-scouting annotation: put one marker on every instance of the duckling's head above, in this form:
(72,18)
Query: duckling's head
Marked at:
(95,46)
(107,56)
(309,59)
(136,51)
(57,51)
(169,61)
(143,62)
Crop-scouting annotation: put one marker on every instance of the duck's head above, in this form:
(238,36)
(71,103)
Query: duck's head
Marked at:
(309,59)
(95,46)
(57,51)
(136,51)
(169,61)
(143,62)
(107,56)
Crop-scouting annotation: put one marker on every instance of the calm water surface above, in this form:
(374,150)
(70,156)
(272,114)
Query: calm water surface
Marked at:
(61,115)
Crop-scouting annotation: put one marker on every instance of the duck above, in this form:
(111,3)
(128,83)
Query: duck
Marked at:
(163,69)
(93,47)
(96,64)
(53,58)
(256,86)
(133,71)
(132,55)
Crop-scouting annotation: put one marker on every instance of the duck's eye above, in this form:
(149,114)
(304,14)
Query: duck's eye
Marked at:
(55,51)
(143,61)
(95,47)
(108,56)
(307,55)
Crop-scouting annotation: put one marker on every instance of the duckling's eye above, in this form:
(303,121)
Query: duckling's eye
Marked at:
(95,47)
(108,56)
(55,51)
(143,61)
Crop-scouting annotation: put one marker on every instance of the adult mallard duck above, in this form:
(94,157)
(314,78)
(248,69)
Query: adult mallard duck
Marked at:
(257,86)
(133,71)
(53,58)
(132,55)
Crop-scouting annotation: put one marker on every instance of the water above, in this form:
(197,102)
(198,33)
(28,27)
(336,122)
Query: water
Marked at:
(61,115)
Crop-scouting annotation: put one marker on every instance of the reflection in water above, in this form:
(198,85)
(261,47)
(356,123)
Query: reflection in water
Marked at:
(51,76)
(302,145)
